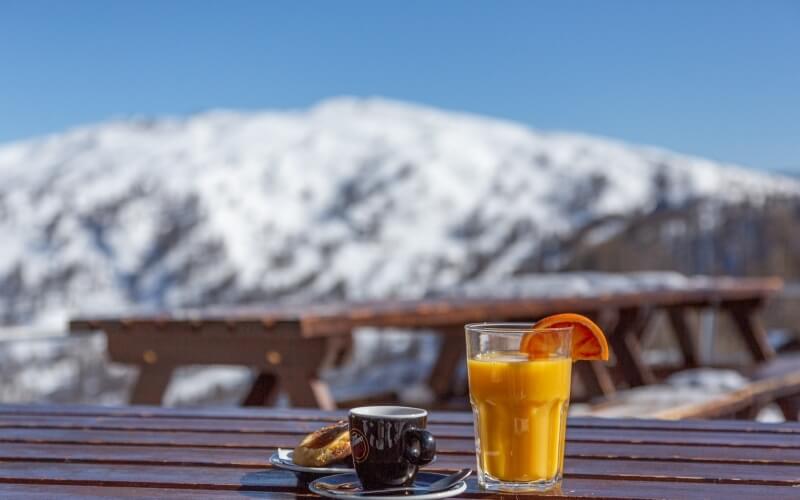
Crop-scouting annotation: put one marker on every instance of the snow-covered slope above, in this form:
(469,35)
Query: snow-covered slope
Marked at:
(352,198)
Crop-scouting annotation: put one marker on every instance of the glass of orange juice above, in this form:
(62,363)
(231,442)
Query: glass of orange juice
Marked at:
(519,403)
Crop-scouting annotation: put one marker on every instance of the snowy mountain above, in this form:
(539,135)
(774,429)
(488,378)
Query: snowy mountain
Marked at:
(354,198)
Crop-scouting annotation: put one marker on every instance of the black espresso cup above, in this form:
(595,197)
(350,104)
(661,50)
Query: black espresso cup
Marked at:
(389,443)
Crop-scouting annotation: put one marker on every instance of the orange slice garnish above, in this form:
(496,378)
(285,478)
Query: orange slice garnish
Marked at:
(588,340)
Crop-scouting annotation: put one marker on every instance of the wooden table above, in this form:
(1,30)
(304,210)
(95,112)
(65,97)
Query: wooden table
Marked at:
(290,345)
(148,452)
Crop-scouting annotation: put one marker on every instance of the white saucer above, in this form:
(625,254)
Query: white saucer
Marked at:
(423,479)
(282,459)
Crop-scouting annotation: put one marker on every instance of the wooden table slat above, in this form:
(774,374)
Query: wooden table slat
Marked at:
(761,473)
(256,426)
(448,441)
(235,479)
(37,491)
(253,457)
(230,417)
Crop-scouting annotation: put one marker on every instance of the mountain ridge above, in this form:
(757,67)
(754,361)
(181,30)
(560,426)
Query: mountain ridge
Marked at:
(351,198)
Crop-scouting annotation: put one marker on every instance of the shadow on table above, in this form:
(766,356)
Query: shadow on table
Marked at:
(265,483)
(272,481)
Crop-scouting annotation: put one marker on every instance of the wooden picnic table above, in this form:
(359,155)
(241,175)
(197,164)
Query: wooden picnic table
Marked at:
(149,452)
(291,344)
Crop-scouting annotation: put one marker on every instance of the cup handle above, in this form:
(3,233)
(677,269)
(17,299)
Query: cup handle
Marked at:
(420,446)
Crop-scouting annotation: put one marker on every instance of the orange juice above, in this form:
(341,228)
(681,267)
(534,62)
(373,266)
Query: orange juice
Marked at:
(520,410)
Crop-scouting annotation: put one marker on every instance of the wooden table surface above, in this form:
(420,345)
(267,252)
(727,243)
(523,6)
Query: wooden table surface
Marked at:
(150,452)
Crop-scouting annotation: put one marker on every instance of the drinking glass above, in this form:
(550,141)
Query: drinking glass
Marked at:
(519,405)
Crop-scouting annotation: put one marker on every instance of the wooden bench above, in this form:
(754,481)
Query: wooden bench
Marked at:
(290,345)
(774,381)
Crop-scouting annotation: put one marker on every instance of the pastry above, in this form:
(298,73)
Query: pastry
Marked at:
(324,446)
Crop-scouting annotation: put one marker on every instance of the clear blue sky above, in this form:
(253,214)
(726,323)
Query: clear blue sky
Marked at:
(719,79)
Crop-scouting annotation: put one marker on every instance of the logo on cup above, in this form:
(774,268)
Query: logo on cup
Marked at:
(359,445)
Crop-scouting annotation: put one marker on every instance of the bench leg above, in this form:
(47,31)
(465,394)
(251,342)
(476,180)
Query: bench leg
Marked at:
(263,392)
(749,412)
(686,336)
(306,390)
(744,315)
(151,384)
(298,369)
(626,347)
(790,407)
(595,375)
(451,354)
(595,378)
(339,351)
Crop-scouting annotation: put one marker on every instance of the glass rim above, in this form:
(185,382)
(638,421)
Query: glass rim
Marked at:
(390,412)
(512,328)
